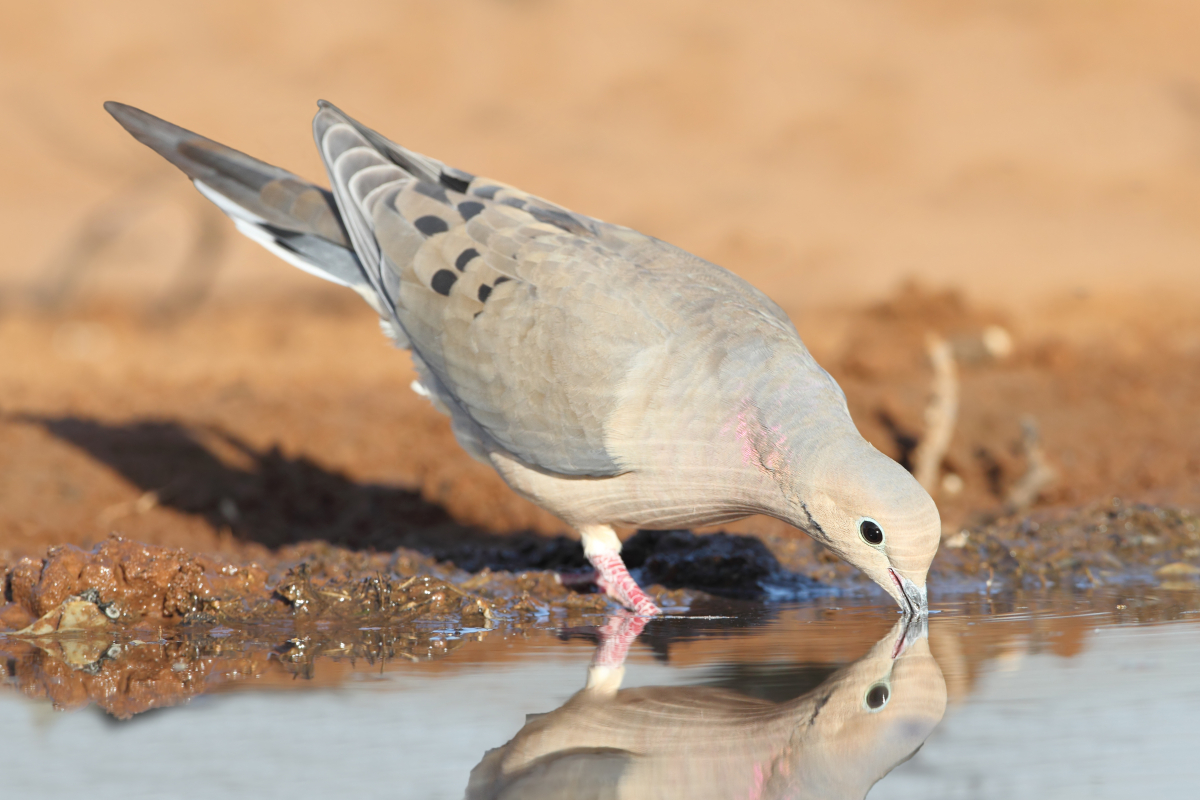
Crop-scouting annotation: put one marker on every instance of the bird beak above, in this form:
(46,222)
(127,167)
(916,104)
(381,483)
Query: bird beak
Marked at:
(913,599)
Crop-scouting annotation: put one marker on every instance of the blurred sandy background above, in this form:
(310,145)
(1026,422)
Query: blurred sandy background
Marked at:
(1022,150)
(1041,160)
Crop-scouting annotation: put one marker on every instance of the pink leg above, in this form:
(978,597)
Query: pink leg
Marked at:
(617,583)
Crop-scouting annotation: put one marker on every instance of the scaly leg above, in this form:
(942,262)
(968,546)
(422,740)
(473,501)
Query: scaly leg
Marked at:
(603,550)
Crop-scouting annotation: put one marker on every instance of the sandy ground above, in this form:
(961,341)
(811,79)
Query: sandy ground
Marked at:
(884,171)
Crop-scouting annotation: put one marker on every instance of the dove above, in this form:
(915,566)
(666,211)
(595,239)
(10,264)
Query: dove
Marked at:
(611,378)
(698,742)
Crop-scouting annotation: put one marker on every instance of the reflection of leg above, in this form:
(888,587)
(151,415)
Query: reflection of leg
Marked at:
(615,638)
(608,662)
(603,550)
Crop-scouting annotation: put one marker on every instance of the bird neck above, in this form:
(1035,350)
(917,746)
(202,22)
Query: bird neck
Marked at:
(790,433)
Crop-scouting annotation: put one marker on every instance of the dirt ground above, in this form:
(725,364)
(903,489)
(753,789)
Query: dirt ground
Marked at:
(244,432)
(885,172)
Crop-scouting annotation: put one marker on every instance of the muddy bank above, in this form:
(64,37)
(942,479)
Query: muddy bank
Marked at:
(128,668)
(1110,543)
(130,627)
(143,587)
(140,586)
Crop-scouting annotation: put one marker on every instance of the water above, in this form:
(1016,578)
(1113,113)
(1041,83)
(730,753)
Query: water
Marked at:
(1059,696)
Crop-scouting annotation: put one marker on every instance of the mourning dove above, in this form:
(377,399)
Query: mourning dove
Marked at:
(699,742)
(611,378)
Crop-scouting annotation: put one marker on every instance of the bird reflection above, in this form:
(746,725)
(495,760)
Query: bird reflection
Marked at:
(703,742)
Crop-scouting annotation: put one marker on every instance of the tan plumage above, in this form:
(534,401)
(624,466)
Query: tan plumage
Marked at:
(608,376)
(697,742)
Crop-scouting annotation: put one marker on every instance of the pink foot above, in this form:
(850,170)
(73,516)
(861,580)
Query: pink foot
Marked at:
(615,638)
(617,583)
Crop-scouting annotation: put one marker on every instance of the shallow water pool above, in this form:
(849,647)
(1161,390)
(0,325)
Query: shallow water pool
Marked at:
(1029,695)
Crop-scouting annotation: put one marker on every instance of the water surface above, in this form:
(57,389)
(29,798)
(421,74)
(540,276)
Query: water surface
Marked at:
(1030,695)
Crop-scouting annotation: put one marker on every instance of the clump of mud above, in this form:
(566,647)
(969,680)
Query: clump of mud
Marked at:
(720,564)
(144,586)
(1101,544)
(131,626)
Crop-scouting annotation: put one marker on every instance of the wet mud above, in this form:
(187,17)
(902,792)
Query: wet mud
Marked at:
(1110,543)
(126,668)
(135,585)
(131,627)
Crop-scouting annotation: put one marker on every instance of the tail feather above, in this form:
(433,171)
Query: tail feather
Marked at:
(296,220)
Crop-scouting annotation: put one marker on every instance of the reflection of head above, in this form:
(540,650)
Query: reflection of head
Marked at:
(699,742)
(879,711)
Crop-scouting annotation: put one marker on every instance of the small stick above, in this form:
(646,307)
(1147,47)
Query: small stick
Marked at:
(940,414)
(1038,476)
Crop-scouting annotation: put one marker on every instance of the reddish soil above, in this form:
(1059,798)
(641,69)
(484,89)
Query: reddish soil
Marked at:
(1031,168)
(244,428)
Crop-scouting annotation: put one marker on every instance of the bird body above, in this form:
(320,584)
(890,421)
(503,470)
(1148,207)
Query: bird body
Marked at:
(608,376)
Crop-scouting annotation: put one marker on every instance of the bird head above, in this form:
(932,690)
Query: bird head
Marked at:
(870,511)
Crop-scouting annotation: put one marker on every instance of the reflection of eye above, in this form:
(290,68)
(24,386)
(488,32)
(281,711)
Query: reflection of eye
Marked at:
(870,531)
(877,696)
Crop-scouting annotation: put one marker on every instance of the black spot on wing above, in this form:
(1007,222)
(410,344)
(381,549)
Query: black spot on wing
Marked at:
(443,281)
(469,209)
(515,202)
(464,258)
(431,225)
(500,280)
(486,192)
(456,181)
(558,219)
(282,236)
(485,291)
(433,191)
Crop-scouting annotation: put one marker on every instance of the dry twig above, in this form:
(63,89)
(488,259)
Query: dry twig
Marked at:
(940,414)
(1039,475)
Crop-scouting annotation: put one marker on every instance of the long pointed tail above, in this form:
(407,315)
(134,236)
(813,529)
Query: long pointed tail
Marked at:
(296,220)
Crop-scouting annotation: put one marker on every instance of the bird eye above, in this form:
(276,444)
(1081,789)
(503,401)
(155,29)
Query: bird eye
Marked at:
(877,697)
(870,531)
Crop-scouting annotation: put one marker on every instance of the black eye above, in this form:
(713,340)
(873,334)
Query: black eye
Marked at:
(871,532)
(877,697)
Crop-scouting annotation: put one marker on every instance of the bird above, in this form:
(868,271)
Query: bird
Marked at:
(835,741)
(613,379)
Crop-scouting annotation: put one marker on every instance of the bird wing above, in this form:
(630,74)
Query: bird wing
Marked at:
(286,214)
(527,315)
(531,325)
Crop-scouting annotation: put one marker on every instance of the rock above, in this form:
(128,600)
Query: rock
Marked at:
(74,615)
(1176,571)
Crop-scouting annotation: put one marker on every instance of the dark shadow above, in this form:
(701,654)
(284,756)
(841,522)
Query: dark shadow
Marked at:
(268,497)
(274,499)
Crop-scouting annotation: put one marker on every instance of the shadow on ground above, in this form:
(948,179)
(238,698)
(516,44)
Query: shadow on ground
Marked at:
(268,497)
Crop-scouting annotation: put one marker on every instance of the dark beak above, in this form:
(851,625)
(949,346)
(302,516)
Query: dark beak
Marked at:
(916,599)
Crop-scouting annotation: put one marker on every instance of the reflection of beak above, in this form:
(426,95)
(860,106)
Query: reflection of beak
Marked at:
(914,600)
(912,629)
